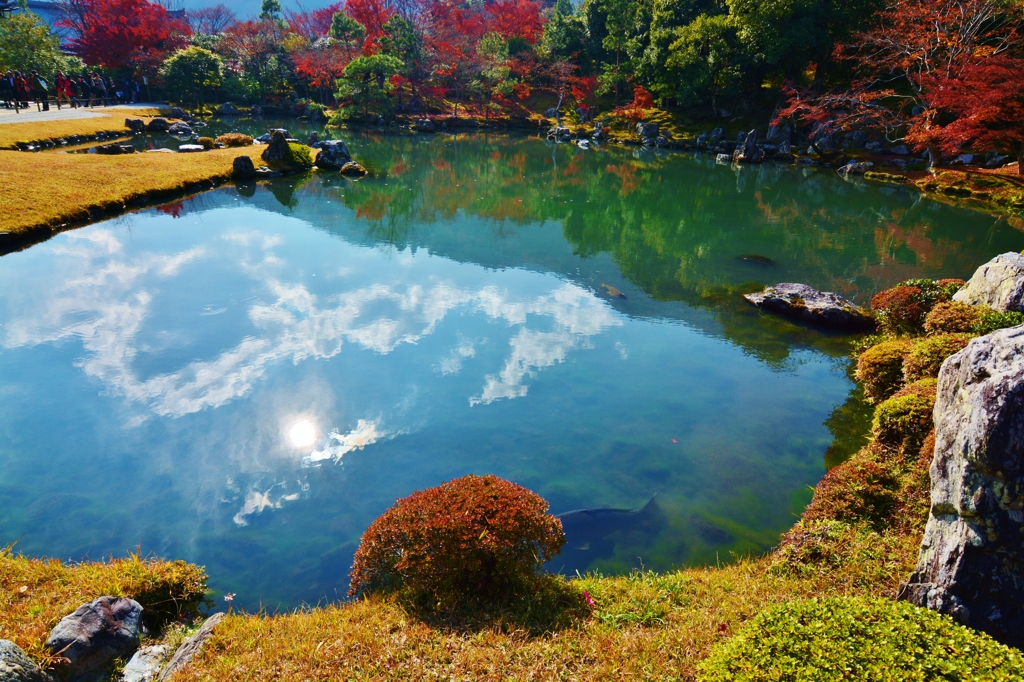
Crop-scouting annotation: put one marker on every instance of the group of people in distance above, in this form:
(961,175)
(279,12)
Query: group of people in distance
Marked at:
(87,90)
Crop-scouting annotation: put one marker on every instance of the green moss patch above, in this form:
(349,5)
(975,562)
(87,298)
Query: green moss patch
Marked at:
(858,639)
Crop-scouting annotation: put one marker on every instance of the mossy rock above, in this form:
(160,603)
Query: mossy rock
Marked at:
(287,157)
(851,638)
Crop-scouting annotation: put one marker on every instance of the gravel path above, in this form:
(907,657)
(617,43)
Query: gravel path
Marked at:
(30,115)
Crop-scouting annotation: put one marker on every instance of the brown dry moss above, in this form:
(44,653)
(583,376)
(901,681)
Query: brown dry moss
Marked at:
(109,120)
(80,187)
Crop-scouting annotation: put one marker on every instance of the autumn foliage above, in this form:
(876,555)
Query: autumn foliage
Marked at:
(476,539)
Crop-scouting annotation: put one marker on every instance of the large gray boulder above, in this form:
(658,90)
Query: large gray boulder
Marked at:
(810,305)
(228,109)
(333,155)
(971,564)
(96,634)
(192,646)
(145,665)
(16,666)
(998,283)
(647,129)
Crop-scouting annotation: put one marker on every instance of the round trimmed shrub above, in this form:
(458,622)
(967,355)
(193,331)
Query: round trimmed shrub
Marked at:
(852,638)
(905,419)
(926,357)
(235,140)
(474,540)
(206,143)
(881,368)
(952,317)
(901,309)
(859,489)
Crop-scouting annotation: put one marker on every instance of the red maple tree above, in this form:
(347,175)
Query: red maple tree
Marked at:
(987,103)
(130,35)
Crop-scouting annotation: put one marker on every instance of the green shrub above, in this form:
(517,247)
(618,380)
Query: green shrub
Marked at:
(905,419)
(235,140)
(880,367)
(991,320)
(926,357)
(850,638)
(952,317)
(476,540)
(206,143)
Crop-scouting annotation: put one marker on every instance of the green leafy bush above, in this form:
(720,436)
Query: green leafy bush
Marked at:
(905,419)
(849,638)
(992,320)
(926,357)
(952,317)
(880,367)
(206,143)
(859,489)
(471,541)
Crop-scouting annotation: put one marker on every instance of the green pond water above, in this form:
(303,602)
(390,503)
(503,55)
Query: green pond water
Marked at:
(248,377)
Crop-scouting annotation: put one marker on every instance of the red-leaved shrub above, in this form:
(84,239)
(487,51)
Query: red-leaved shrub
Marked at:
(473,540)
(901,309)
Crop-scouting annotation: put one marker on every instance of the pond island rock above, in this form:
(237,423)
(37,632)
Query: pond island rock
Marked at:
(971,562)
(96,634)
(242,168)
(810,305)
(16,666)
(333,155)
(998,284)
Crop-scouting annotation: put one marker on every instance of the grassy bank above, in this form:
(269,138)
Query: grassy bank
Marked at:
(107,121)
(44,193)
(36,593)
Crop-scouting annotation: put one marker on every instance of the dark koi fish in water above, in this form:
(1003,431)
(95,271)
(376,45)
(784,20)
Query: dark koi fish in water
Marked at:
(754,258)
(613,292)
(584,526)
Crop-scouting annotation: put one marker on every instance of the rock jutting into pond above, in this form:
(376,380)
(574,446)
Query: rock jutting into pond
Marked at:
(192,646)
(971,564)
(333,155)
(97,633)
(998,284)
(810,305)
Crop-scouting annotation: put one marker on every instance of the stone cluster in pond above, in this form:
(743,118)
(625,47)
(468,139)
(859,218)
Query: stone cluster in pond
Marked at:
(804,303)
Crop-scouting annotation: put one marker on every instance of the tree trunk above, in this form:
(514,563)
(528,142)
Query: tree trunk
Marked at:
(1020,158)
(617,77)
(934,158)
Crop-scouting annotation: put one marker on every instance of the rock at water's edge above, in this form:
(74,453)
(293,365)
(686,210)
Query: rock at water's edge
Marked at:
(191,647)
(16,666)
(145,665)
(998,283)
(971,564)
(333,155)
(242,168)
(158,125)
(810,305)
(354,169)
(97,633)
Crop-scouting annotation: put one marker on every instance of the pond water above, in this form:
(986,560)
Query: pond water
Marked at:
(247,378)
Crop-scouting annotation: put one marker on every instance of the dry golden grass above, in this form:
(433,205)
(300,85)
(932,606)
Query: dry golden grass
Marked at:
(52,189)
(112,120)
(36,593)
(645,626)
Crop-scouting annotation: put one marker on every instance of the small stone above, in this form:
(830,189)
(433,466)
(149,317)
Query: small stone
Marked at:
(145,665)
(178,112)
(16,666)
(192,646)
(353,169)
(723,158)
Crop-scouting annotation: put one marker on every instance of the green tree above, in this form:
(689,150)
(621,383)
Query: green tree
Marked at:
(271,9)
(495,70)
(706,56)
(367,85)
(402,41)
(190,72)
(347,31)
(27,44)
(620,18)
